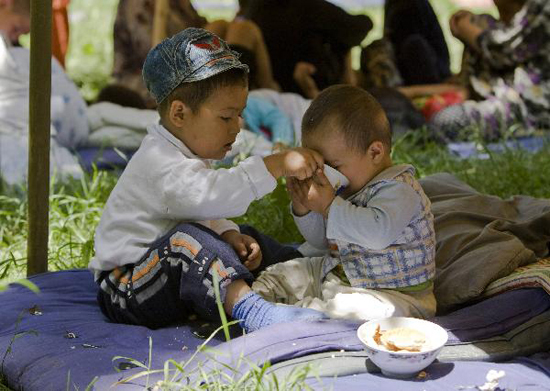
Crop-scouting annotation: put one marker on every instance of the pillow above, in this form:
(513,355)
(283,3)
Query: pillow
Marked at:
(115,137)
(481,238)
(535,275)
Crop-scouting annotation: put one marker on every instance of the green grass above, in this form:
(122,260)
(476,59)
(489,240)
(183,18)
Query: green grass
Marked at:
(75,209)
(75,206)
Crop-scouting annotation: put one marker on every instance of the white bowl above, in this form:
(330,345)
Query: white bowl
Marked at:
(335,177)
(402,364)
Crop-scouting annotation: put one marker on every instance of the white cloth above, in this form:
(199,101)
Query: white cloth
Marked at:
(112,125)
(164,185)
(110,114)
(68,116)
(299,282)
(14,154)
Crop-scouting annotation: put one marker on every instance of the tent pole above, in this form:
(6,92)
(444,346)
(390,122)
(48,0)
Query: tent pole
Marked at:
(39,136)
(160,20)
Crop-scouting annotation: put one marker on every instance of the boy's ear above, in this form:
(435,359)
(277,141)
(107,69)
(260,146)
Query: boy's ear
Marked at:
(177,112)
(377,151)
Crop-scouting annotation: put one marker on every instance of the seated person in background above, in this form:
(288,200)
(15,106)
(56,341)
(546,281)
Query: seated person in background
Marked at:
(68,109)
(421,53)
(245,37)
(314,34)
(163,236)
(132,37)
(378,231)
(505,73)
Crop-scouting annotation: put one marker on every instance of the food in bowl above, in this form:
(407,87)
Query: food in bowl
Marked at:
(405,332)
(400,338)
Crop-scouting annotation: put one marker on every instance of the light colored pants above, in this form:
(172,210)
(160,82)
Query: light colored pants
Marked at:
(298,282)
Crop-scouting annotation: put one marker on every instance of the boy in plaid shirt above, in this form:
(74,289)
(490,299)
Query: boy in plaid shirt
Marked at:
(379,231)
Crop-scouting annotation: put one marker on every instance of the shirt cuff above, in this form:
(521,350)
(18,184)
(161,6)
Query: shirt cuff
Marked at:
(223,225)
(260,179)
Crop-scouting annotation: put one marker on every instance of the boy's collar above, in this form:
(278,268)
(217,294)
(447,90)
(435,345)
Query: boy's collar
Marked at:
(387,174)
(390,173)
(165,133)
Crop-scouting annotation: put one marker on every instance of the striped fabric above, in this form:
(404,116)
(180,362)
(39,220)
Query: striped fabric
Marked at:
(535,275)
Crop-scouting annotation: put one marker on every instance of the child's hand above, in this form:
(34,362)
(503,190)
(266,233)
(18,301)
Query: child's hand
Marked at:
(279,147)
(320,193)
(296,162)
(246,248)
(297,193)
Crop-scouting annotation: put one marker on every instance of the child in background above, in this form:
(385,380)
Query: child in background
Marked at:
(163,234)
(379,231)
(263,117)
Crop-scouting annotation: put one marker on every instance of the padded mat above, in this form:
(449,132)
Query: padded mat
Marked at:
(469,149)
(63,339)
(103,158)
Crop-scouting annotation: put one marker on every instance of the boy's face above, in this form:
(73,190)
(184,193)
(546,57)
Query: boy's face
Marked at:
(210,132)
(358,167)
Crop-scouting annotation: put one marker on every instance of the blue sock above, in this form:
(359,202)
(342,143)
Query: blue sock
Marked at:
(255,312)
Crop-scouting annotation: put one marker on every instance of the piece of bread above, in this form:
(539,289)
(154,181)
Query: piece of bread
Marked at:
(400,338)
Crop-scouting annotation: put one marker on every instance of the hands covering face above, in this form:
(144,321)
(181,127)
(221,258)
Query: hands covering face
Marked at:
(311,194)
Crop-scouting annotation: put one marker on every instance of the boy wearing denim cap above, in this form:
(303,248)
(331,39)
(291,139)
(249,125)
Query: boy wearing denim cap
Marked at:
(164,234)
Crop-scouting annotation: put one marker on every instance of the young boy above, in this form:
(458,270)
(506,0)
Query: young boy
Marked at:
(379,231)
(163,233)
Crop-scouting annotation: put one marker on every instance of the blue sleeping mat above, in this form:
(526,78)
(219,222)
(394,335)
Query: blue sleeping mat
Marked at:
(103,158)
(58,339)
(469,149)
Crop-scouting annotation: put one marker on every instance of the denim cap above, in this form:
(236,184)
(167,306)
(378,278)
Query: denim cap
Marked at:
(191,55)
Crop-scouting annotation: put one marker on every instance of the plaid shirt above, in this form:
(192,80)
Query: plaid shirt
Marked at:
(409,260)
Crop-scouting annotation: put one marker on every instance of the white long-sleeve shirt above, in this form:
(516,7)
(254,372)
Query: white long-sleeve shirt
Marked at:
(165,184)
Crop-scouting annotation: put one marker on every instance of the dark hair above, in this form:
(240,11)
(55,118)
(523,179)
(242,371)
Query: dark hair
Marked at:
(121,95)
(243,6)
(357,114)
(194,94)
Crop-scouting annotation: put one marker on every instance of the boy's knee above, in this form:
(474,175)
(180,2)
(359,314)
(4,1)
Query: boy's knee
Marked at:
(196,237)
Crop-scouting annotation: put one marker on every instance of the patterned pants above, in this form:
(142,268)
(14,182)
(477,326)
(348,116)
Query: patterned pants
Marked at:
(175,277)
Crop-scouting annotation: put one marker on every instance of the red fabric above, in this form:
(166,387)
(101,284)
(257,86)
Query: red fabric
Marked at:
(60,30)
(435,103)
